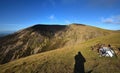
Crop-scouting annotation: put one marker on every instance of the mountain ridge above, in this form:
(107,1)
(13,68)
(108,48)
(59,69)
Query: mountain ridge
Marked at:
(41,38)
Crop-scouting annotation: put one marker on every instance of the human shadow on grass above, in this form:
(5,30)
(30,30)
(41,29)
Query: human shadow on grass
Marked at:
(79,63)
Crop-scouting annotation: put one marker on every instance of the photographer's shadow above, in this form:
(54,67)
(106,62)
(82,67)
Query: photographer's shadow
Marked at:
(79,63)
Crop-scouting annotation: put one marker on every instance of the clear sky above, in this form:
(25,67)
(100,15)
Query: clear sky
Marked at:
(19,14)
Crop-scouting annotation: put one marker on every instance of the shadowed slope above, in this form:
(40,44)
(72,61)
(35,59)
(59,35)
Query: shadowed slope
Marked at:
(42,38)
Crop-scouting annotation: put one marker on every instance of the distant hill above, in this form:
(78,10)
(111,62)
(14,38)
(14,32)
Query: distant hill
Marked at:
(62,60)
(5,33)
(2,35)
(41,38)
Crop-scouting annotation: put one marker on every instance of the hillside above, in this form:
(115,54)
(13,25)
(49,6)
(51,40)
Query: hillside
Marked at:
(41,38)
(62,60)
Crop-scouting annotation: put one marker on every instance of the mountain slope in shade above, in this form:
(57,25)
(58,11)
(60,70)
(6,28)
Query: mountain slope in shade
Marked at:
(41,38)
(62,60)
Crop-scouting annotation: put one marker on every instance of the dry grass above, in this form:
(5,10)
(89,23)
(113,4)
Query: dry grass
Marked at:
(62,60)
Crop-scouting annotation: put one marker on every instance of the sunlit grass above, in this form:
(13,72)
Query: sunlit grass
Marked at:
(62,59)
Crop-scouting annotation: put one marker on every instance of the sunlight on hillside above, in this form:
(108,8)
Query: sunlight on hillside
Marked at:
(62,60)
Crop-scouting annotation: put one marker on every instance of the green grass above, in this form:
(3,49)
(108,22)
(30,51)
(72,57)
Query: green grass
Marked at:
(61,60)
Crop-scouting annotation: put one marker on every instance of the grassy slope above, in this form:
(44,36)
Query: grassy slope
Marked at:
(39,38)
(62,60)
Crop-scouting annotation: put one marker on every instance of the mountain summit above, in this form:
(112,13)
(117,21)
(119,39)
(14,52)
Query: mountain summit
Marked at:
(41,38)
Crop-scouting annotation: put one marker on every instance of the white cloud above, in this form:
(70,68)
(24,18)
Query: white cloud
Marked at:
(67,21)
(51,17)
(72,20)
(107,20)
(111,20)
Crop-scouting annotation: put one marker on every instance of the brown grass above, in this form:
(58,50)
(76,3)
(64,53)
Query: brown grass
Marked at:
(62,59)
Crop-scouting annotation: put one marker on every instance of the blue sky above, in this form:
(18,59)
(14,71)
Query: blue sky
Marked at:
(19,14)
